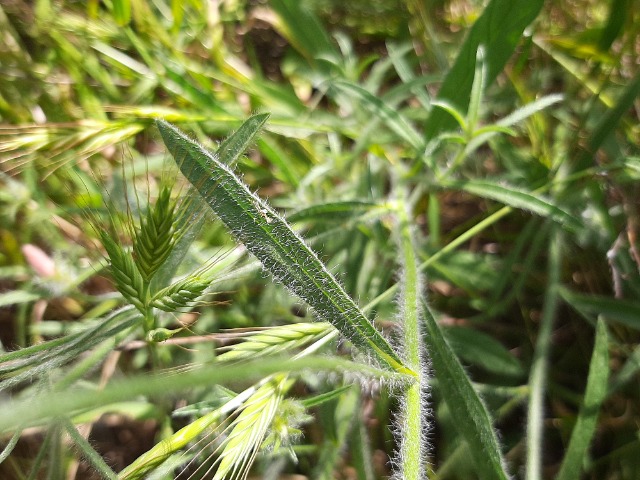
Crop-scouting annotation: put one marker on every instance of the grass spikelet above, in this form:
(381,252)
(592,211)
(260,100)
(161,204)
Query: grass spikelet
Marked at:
(126,275)
(182,294)
(276,340)
(156,237)
(60,143)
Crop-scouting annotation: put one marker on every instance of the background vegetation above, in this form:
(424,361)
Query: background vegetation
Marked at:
(509,128)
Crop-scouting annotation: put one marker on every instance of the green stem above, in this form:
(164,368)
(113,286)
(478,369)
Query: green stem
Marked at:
(412,444)
(450,247)
(88,452)
(540,365)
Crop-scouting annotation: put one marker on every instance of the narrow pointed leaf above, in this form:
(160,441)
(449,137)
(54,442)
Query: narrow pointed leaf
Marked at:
(528,110)
(484,351)
(282,252)
(610,120)
(498,29)
(472,419)
(391,117)
(594,395)
(232,148)
(518,199)
(627,312)
(302,29)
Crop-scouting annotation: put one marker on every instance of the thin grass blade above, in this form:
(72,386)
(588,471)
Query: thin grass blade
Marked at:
(303,29)
(88,451)
(391,117)
(594,395)
(540,364)
(40,408)
(624,311)
(518,199)
(484,351)
(498,29)
(609,122)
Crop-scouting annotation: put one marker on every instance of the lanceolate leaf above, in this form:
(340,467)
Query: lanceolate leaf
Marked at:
(231,149)
(473,421)
(282,252)
(517,199)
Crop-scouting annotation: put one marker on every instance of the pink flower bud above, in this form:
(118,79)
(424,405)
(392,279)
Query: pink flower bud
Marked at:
(37,259)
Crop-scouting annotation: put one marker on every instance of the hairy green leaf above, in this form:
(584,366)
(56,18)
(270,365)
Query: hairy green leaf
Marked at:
(282,252)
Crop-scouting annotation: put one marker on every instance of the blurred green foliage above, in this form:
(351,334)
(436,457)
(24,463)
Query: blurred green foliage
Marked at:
(522,161)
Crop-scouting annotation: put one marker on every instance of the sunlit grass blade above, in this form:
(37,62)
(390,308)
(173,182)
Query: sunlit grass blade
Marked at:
(122,11)
(498,29)
(594,395)
(282,252)
(529,109)
(472,419)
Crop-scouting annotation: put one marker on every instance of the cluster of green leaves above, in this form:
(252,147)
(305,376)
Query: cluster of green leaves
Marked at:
(491,150)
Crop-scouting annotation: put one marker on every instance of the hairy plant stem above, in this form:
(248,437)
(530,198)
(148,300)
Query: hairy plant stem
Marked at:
(412,446)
